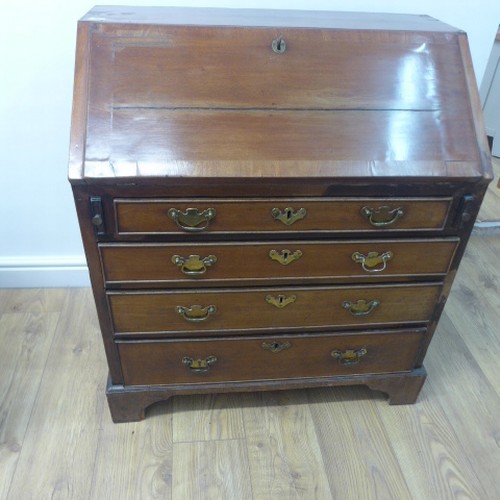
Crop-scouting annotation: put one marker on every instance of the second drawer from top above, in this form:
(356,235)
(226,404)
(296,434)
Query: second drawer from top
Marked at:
(207,264)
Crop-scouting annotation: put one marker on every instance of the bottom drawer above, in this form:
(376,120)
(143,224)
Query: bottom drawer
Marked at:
(268,357)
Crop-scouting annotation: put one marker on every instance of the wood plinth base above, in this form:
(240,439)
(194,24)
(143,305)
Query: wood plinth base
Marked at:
(128,404)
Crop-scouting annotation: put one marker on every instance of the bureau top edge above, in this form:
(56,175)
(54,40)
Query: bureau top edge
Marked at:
(194,16)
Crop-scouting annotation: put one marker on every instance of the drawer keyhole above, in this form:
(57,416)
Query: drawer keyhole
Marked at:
(280,301)
(285,257)
(279,45)
(288,216)
(276,346)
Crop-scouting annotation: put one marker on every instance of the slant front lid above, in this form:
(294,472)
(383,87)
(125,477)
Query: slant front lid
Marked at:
(311,100)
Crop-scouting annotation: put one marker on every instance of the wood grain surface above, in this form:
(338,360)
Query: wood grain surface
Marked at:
(151,216)
(237,309)
(251,262)
(239,359)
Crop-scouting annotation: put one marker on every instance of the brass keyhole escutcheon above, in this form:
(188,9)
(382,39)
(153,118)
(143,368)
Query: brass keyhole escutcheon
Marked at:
(285,257)
(288,216)
(280,301)
(279,45)
(276,346)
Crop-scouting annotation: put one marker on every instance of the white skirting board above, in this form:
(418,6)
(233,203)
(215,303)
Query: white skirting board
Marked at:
(43,272)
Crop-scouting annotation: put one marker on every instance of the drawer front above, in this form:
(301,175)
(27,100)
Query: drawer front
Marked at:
(164,216)
(266,357)
(148,264)
(226,311)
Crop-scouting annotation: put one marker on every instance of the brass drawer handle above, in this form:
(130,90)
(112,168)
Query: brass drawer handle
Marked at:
(191,219)
(349,356)
(279,45)
(280,301)
(382,216)
(288,216)
(276,346)
(194,265)
(199,365)
(370,262)
(285,257)
(196,314)
(361,307)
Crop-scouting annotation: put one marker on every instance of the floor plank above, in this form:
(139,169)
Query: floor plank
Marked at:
(25,340)
(207,418)
(32,300)
(474,305)
(57,459)
(456,381)
(211,469)
(284,453)
(429,452)
(134,460)
(355,446)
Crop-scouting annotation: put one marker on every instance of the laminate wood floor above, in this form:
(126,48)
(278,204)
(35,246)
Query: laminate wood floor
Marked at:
(489,215)
(57,440)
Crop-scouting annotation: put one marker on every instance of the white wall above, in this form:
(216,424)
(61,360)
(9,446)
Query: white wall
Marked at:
(39,236)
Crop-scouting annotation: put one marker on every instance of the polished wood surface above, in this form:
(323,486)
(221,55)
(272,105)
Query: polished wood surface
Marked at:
(245,359)
(226,68)
(250,310)
(145,263)
(170,100)
(146,216)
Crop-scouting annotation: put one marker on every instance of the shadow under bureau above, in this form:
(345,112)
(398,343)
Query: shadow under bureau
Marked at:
(271,199)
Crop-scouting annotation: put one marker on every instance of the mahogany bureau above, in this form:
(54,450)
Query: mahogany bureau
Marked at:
(271,199)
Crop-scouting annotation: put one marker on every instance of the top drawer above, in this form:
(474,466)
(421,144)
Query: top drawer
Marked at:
(167,216)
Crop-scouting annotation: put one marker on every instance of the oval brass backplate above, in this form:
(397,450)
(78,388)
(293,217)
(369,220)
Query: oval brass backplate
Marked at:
(193,265)
(349,356)
(191,219)
(196,313)
(199,365)
(360,307)
(382,216)
(370,261)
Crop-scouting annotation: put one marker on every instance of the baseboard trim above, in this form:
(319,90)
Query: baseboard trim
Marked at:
(43,272)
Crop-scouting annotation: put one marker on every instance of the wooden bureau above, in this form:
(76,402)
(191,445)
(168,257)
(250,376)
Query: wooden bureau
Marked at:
(271,199)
